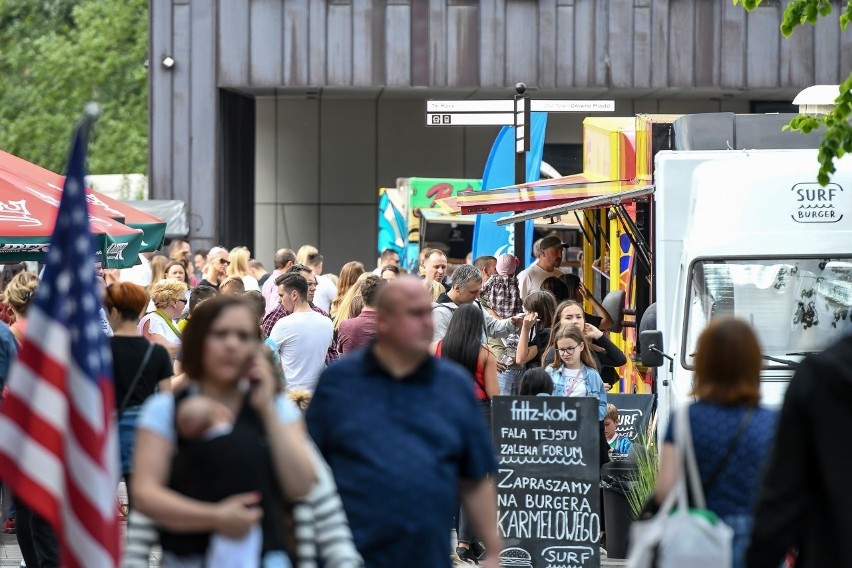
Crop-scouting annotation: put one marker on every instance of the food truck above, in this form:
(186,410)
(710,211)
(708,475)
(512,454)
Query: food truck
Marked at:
(412,217)
(399,212)
(720,215)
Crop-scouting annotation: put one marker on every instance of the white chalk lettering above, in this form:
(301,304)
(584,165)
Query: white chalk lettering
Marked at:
(508,480)
(522,410)
(518,450)
(551,525)
(551,435)
(506,500)
(513,433)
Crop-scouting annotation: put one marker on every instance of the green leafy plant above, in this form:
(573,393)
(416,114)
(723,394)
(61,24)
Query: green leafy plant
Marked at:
(648,465)
(837,140)
(57,55)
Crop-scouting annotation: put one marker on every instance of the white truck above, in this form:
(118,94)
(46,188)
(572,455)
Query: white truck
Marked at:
(748,234)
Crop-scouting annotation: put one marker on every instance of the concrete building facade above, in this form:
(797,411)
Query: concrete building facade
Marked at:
(279,119)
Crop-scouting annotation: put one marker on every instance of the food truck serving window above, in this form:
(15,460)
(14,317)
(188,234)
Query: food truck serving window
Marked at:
(796,305)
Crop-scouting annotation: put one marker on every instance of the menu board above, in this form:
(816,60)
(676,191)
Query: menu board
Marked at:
(548,481)
(634,413)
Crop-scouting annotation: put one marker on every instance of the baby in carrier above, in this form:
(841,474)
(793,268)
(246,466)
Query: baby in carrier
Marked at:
(220,455)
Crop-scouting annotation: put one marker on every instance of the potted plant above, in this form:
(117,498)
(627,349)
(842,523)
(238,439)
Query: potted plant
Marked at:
(646,455)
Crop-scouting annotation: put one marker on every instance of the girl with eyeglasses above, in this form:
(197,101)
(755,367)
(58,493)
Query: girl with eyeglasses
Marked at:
(606,354)
(573,371)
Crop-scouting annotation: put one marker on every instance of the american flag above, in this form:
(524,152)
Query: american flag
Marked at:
(58,445)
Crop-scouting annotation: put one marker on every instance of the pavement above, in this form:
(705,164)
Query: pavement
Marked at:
(10,555)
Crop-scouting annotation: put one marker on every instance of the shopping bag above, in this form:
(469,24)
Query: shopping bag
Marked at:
(679,536)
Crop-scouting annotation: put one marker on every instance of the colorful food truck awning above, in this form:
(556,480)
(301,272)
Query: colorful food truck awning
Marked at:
(27,175)
(541,194)
(27,217)
(604,199)
(437,215)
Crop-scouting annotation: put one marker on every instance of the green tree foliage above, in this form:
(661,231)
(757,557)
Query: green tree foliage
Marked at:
(57,55)
(837,140)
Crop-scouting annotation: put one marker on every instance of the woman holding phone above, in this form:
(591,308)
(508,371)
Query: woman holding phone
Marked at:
(218,459)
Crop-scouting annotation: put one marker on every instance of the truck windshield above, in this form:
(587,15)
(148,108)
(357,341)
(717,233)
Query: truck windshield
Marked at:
(797,305)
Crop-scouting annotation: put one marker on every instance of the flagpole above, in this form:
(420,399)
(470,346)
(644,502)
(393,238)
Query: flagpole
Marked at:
(91,113)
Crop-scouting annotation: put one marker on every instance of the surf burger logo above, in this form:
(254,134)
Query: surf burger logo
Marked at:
(818,204)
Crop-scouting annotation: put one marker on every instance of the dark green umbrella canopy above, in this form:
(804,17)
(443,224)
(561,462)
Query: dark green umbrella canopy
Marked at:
(27,217)
(22,172)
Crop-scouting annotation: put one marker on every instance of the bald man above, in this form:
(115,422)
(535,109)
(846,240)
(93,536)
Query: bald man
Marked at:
(368,418)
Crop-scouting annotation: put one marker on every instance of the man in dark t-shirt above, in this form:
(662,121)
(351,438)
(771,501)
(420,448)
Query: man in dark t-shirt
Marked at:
(405,439)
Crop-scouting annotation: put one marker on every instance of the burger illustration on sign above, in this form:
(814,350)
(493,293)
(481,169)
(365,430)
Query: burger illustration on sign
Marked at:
(515,558)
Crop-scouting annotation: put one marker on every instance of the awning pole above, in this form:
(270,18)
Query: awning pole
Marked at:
(522,146)
(582,225)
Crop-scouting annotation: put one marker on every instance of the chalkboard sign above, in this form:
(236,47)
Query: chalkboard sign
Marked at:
(548,481)
(634,413)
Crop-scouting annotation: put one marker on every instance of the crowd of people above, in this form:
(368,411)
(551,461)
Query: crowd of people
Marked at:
(362,401)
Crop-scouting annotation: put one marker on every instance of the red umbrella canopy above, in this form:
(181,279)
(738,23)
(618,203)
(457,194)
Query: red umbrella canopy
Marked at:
(27,217)
(101,205)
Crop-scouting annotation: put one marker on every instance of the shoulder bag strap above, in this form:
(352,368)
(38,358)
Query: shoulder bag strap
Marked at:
(169,323)
(720,467)
(691,478)
(135,380)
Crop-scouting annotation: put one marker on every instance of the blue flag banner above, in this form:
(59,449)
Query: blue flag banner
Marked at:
(488,237)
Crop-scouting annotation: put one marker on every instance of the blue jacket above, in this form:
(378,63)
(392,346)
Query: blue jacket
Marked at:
(592,379)
(8,351)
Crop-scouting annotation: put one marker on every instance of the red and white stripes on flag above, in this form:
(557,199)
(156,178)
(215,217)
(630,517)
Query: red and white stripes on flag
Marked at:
(58,441)
(57,449)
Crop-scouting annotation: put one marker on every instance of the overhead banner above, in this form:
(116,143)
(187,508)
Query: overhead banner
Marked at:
(489,238)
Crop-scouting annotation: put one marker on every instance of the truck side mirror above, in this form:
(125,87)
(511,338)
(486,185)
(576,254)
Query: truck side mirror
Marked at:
(652,348)
(613,303)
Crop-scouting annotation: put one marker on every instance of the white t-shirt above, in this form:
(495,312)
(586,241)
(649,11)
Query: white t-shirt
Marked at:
(250,283)
(530,280)
(303,339)
(139,274)
(326,293)
(160,327)
(574,383)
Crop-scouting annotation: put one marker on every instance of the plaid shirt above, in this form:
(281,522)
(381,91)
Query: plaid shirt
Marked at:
(501,294)
(270,319)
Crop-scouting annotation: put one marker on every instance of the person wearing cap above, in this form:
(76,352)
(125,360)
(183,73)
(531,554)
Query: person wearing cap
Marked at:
(544,267)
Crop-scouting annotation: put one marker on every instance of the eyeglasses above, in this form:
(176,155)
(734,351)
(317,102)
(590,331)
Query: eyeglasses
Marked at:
(567,350)
(224,261)
(242,335)
(182,300)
